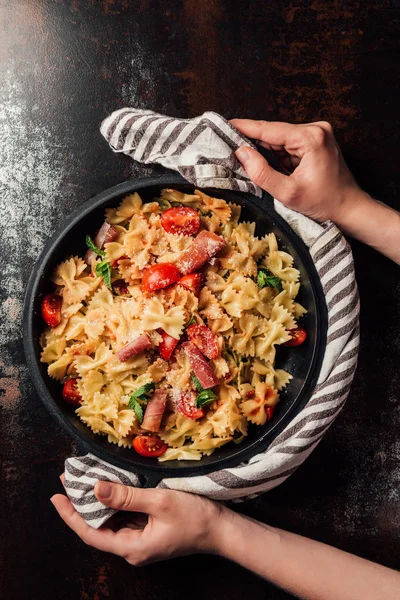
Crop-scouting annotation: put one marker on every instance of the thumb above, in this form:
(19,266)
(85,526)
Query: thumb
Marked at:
(262,174)
(123,497)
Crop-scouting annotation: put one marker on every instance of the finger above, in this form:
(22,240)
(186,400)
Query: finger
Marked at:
(123,497)
(290,163)
(273,133)
(278,185)
(102,539)
(62,479)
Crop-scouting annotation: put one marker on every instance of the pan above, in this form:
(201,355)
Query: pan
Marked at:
(303,362)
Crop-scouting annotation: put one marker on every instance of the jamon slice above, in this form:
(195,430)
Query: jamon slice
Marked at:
(204,246)
(136,346)
(200,366)
(154,411)
(107,233)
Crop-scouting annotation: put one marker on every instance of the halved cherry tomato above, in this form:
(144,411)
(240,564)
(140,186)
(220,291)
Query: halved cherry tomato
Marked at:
(167,345)
(70,392)
(270,412)
(51,309)
(204,339)
(120,287)
(192,282)
(187,406)
(149,445)
(298,336)
(181,220)
(159,276)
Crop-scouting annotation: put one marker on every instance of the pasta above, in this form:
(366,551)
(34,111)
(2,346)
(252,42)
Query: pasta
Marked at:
(159,336)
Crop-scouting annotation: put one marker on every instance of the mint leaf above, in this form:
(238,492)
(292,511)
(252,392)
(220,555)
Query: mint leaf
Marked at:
(143,390)
(205,398)
(135,405)
(163,203)
(264,279)
(103,269)
(95,249)
(192,321)
(138,398)
(197,384)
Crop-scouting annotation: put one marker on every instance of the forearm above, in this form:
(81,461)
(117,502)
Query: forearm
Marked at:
(306,568)
(371,222)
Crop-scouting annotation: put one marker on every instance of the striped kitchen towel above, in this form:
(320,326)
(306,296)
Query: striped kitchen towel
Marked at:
(200,149)
(334,263)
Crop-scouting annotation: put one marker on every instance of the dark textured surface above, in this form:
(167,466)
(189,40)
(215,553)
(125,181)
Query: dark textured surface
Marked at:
(64,66)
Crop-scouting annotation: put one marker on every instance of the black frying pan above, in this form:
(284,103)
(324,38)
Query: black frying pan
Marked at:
(303,362)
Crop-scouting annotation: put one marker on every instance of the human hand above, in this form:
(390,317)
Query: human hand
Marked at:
(170,523)
(318,182)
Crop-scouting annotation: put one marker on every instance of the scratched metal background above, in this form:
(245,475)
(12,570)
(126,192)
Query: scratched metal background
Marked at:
(65,64)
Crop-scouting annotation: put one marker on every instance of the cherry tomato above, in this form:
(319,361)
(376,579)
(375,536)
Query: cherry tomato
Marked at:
(167,345)
(181,220)
(270,412)
(159,276)
(70,392)
(298,336)
(187,406)
(250,394)
(120,287)
(192,282)
(51,309)
(149,445)
(204,339)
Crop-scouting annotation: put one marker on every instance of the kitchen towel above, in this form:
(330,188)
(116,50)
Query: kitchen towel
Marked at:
(186,145)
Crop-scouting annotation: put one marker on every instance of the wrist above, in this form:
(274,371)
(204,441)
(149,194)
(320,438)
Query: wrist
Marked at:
(218,530)
(354,201)
(234,536)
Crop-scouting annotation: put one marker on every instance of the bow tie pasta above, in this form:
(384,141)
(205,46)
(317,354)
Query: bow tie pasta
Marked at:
(165,335)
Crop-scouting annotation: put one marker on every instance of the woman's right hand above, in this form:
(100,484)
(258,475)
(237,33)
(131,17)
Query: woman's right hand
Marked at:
(318,182)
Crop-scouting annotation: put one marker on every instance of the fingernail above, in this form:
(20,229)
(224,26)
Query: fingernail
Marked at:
(51,500)
(104,490)
(243,154)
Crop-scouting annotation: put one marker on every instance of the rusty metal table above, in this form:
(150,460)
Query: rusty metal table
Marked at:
(65,64)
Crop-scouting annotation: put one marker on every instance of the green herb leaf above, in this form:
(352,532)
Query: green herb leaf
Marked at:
(164,204)
(192,321)
(197,384)
(205,398)
(264,279)
(137,408)
(95,249)
(103,269)
(176,204)
(143,390)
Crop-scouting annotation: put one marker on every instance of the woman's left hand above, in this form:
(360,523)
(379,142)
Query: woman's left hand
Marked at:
(170,523)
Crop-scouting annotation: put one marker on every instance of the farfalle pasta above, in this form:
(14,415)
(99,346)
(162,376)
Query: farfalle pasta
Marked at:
(165,334)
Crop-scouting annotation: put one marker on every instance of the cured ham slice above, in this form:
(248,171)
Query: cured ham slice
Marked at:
(154,411)
(107,233)
(204,246)
(136,346)
(200,366)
